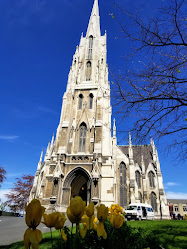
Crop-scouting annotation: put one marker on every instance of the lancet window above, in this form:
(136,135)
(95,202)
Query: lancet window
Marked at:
(138,179)
(90,101)
(88,70)
(90,47)
(82,137)
(151,179)
(153,201)
(123,186)
(80,101)
(140,196)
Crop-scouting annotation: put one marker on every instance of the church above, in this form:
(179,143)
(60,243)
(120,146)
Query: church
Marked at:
(83,158)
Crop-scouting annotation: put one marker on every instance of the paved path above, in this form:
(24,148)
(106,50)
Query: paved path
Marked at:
(12,229)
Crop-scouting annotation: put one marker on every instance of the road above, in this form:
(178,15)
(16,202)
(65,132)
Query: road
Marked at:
(12,229)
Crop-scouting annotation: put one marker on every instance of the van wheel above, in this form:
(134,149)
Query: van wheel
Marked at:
(128,219)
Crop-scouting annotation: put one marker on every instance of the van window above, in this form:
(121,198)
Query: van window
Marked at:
(131,207)
(139,208)
(149,209)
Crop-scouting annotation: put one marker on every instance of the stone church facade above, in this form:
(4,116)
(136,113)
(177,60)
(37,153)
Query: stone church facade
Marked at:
(83,158)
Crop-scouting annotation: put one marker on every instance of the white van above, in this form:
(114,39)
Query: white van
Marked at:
(139,211)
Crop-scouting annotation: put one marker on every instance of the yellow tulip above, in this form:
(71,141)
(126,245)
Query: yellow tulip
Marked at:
(77,206)
(90,209)
(26,238)
(101,230)
(76,209)
(35,236)
(85,220)
(50,220)
(34,212)
(116,220)
(71,217)
(63,235)
(60,222)
(83,229)
(102,212)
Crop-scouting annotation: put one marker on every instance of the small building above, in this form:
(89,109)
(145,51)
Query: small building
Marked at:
(177,206)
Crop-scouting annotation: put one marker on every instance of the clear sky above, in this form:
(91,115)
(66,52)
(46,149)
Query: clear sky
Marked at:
(37,41)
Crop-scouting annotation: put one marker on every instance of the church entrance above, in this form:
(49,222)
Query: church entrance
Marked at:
(79,187)
(77,183)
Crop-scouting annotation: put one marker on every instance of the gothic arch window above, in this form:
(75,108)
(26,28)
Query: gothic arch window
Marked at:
(82,137)
(88,70)
(138,178)
(140,197)
(90,101)
(123,186)
(80,101)
(90,47)
(153,201)
(151,176)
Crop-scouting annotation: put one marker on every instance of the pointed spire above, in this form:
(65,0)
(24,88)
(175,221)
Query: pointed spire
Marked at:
(114,128)
(40,161)
(41,156)
(52,141)
(94,23)
(48,148)
(130,142)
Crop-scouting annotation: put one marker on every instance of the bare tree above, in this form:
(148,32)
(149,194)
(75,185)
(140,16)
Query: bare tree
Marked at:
(153,88)
(18,196)
(2,175)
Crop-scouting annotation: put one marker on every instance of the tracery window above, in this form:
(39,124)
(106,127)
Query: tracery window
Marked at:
(138,179)
(151,179)
(90,101)
(153,201)
(90,47)
(88,70)
(82,137)
(80,101)
(123,186)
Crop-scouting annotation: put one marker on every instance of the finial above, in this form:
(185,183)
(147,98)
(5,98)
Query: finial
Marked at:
(130,142)
(114,128)
(41,156)
(81,34)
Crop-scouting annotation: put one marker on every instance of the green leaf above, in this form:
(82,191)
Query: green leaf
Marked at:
(178,70)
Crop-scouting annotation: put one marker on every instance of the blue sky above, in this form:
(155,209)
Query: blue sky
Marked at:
(37,41)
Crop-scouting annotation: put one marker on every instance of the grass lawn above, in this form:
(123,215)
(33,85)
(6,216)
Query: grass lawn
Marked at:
(171,234)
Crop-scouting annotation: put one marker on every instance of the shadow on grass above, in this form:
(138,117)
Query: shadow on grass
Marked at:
(171,234)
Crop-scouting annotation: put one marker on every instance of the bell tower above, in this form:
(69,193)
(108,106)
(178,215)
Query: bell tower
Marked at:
(79,161)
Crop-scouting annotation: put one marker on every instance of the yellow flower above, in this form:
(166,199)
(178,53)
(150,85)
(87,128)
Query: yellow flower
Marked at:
(50,220)
(101,230)
(90,209)
(32,237)
(26,237)
(83,229)
(35,236)
(34,212)
(77,206)
(76,209)
(60,222)
(71,217)
(63,235)
(116,220)
(102,212)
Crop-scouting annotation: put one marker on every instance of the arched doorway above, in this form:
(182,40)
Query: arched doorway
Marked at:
(77,183)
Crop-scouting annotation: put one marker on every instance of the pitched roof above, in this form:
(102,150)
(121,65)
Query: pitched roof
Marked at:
(138,151)
(176,201)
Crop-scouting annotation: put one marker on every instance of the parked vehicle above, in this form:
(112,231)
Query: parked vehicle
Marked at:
(139,211)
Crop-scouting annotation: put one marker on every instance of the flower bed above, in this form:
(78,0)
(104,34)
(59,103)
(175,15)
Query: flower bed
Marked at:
(108,230)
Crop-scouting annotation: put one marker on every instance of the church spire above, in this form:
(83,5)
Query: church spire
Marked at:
(94,23)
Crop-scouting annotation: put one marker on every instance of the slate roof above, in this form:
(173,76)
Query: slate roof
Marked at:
(138,151)
(176,201)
